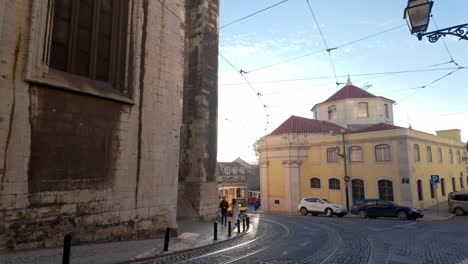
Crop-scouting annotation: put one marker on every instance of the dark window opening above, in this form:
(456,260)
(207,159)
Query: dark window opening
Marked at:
(89,39)
(315,183)
(334,184)
(357,188)
(385,190)
(420,190)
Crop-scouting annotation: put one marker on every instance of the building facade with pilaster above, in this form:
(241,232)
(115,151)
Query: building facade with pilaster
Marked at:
(306,157)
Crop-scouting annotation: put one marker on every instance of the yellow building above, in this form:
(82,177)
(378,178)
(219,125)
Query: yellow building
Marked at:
(305,157)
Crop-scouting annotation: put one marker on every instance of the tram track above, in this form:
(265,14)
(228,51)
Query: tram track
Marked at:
(341,248)
(226,254)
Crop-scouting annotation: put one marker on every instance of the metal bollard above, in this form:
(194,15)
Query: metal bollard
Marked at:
(166,239)
(229,228)
(243,224)
(215,229)
(238,226)
(248,222)
(66,249)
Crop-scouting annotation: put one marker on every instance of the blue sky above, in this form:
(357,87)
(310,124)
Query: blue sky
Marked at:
(289,30)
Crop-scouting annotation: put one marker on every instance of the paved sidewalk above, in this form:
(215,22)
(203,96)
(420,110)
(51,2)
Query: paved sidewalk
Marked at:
(192,234)
(442,213)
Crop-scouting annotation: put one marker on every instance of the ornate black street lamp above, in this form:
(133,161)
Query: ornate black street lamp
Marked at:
(417,14)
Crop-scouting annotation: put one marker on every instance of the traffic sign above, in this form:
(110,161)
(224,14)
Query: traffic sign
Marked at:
(347,178)
(435,179)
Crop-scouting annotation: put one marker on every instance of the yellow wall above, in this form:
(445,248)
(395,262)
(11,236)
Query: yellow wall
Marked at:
(370,171)
(276,179)
(446,170)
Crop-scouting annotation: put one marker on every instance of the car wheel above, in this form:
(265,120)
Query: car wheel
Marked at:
(362,214)
(329,212)
(402,215)
(304,211)
(459,211)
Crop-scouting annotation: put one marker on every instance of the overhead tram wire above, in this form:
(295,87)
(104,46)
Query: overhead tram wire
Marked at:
(385,75)
(343,76)
(322,50)
(445,44)
(285,61)
(258,94)
(172,12)
(253,14)
(324,42)
(419,88)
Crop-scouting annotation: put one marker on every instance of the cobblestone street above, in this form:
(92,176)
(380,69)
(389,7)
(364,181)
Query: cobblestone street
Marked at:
(309,239)
(291,238)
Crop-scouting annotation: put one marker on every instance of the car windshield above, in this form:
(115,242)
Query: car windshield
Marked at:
(325,200)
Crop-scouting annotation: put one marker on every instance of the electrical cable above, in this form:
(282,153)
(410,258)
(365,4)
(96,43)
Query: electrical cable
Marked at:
(288,60)
(342,76)
(258,94)
(445,44)
(255,13)
(322,50)
(159,1)
(419,88)
(370,36)
(325,43)
(385,75)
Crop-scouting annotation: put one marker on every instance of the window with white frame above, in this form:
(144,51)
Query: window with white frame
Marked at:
(458,157)
(332,155)
(332,112)
(355,153)
(227,170)
(450,156)
(363,109)
(382,152)
(387,111)
(439,154)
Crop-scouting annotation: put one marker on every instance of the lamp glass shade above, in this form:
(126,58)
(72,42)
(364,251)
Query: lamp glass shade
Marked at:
(417,15)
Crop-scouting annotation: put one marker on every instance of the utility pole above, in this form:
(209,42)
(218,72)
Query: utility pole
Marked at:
(345,171)
(346,177)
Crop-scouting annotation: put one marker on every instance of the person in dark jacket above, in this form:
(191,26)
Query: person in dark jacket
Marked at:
(257,205)
(224,210)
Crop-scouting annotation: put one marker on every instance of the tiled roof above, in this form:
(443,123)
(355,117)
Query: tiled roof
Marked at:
(296,124)
(229,164)
(349,91)
(377,127)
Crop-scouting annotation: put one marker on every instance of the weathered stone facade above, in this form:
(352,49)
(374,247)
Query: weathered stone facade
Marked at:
(97,163)
(197,183)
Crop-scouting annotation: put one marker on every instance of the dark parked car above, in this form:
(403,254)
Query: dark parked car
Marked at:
(373,208)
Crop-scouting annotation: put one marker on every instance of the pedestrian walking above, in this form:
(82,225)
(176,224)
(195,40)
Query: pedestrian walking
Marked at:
(224,211)
(257,205)
(235,211)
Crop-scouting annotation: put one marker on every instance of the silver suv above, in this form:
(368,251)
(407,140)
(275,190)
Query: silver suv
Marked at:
(458,202)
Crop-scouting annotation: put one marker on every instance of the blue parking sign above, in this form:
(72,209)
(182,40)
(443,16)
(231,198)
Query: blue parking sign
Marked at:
(435,179)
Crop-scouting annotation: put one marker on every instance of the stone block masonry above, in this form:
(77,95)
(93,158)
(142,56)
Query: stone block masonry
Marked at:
(101,165)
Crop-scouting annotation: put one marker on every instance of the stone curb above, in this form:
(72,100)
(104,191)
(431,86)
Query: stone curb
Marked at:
(441,218)
(184,250)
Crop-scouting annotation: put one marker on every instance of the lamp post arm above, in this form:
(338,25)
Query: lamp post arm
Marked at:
(460,31)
